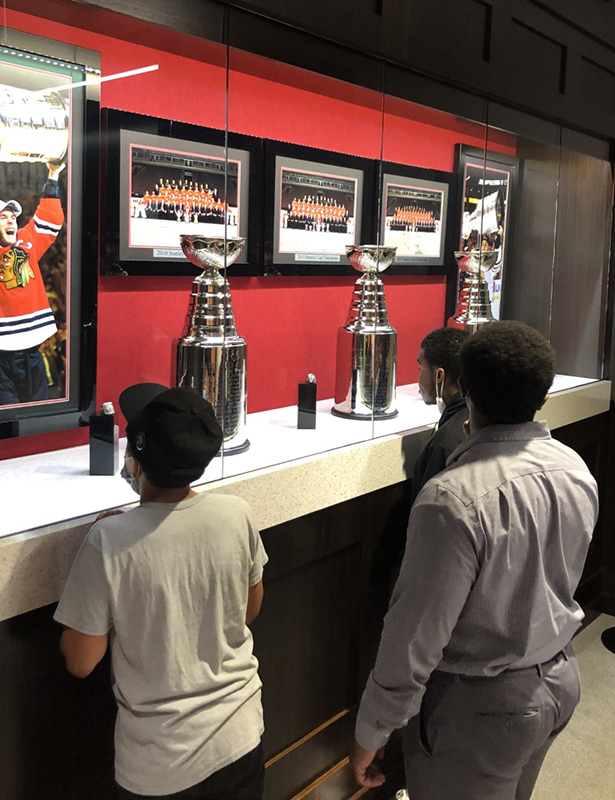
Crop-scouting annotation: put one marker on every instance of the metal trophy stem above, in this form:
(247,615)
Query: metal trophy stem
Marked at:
(33,127)
(474,304)
(367,343)
(211,357)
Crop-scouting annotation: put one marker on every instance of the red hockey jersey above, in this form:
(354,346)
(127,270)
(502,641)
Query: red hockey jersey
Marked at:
(26,320)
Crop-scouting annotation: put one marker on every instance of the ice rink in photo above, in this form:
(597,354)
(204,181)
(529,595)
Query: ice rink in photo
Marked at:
(414,243)
(317,242)
(165,232)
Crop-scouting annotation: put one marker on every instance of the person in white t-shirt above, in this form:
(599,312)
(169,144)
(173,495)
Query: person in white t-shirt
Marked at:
(173,585)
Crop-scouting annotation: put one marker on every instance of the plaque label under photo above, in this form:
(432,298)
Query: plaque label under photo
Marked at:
(320,257)
(167,252)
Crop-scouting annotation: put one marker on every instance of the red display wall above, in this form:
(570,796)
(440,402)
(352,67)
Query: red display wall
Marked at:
(290,323)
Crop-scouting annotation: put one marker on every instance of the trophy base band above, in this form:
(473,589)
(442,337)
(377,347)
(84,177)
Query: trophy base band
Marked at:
(364,417)
(234,449)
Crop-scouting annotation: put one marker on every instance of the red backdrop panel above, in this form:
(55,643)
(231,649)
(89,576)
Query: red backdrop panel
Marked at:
(290,324)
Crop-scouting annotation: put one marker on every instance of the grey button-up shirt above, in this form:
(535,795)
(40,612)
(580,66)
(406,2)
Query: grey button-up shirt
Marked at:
(495,549)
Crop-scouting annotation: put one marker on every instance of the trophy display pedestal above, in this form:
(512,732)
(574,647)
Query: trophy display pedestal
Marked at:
(367,343)
(231,450)
(365,417)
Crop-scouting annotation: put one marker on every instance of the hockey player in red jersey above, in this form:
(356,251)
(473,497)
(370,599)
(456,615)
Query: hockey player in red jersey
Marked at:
(26,320)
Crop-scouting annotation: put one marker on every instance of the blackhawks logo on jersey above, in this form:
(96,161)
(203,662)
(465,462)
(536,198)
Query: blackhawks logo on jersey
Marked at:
(15,269)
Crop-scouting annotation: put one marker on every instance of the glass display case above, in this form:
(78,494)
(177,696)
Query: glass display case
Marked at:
(282,240)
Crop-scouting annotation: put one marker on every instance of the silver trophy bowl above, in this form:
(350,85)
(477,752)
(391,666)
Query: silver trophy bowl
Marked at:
(367,343)
(211,253)
(211,357)
(370,257)
(33,125)
(473,305)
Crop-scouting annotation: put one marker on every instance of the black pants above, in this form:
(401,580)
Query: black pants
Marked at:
(23,378)
(241,780)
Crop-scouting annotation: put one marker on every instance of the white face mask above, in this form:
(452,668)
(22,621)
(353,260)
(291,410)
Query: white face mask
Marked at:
(130,480)
(441,405)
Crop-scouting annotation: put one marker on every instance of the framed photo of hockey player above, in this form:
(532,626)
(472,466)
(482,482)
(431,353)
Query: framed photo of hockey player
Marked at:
(414,211)
(190,182)
(317,202)
(488,182)
(46,301)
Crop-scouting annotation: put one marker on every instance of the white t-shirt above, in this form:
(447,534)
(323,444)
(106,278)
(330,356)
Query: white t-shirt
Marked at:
(170,582)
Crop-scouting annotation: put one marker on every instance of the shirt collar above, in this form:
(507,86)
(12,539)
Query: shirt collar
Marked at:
(455,404)
(522,432)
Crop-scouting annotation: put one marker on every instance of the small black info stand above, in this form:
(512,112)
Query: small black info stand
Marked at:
(306,403)
(104,442)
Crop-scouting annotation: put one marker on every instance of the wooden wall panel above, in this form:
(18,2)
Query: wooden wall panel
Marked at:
(537,60)
(528,278)
(310,759)
(582,249)
(597,86)
(306,640)
(591,438)
(56,732)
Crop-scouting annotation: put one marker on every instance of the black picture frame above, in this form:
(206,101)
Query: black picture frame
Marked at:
(493,166)
(69,266)
(436,180)
(327,167)
(122,127)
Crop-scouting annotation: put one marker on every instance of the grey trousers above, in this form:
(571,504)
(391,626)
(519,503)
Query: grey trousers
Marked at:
(486,738)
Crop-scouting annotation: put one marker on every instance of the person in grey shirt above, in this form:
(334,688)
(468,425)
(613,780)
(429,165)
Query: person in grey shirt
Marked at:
(173,584)
(475,657)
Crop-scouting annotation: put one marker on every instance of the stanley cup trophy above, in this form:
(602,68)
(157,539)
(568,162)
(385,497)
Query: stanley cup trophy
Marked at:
(367,344)
(211,357)
(474,304)
(33,125)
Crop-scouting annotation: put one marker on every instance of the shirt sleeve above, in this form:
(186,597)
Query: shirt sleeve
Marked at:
(46,224)
(85,603)
(257,552)
(440,566)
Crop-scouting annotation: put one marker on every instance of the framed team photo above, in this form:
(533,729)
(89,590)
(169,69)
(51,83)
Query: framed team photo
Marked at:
(160,186)
(47,293)
(414,214)
(317,203)
(488,181)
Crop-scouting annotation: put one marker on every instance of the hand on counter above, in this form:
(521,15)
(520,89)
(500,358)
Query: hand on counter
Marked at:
(366,773)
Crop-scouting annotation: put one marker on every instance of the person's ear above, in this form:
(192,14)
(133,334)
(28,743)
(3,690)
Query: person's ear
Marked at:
(543,402)
(137,468)
(440,376)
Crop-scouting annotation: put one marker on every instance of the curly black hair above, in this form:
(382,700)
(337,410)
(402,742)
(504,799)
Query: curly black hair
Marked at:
(441,348)
(507,368)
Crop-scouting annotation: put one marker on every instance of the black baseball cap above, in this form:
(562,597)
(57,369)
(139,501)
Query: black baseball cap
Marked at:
(174,433)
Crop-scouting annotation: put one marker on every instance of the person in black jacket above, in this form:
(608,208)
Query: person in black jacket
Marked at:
(439,369)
